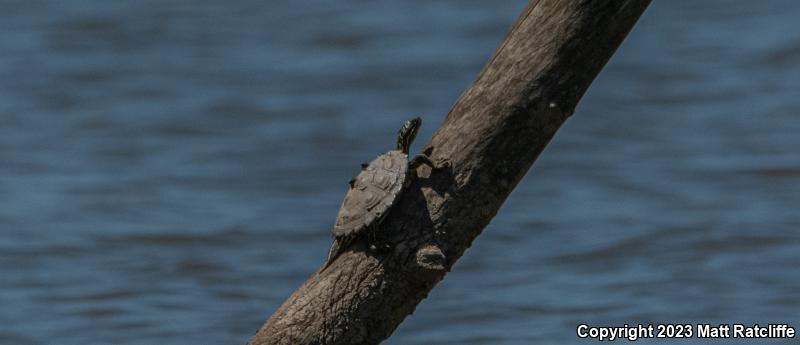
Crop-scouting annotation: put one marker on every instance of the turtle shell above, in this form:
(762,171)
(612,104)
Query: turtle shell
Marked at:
(373,193)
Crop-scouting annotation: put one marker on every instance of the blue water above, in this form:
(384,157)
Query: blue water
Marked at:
(170,171)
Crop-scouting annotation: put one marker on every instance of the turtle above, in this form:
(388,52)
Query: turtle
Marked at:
(375,190)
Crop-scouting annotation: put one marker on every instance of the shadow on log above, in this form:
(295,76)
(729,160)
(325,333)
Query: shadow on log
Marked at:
(491,137)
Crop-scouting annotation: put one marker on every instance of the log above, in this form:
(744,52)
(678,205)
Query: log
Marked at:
(490,139)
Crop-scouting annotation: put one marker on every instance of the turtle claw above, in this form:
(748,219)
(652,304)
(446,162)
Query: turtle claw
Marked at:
(445,164)
(352,182)
(364,166)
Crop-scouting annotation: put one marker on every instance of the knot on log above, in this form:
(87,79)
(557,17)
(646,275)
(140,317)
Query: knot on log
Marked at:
(431,257)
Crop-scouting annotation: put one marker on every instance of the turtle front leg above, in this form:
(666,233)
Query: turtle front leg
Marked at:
(421,159)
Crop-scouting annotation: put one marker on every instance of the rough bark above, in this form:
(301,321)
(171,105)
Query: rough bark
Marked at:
(490,139)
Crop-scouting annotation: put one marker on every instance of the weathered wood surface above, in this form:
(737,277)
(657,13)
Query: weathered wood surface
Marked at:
(491,137)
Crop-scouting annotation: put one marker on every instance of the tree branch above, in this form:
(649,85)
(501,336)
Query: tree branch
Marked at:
(490,138)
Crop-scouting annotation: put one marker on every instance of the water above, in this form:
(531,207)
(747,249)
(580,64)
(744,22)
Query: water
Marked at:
(169,171)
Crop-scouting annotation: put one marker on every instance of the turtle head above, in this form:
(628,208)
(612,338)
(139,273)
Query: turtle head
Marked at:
(407,133)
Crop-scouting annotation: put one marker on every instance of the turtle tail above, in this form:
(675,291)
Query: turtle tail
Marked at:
(337,248)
